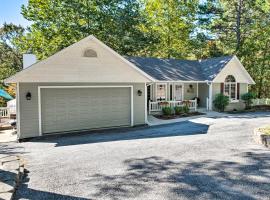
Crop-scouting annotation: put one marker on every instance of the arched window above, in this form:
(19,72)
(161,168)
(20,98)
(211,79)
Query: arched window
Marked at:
(230,78)
(230,87)
(90,53)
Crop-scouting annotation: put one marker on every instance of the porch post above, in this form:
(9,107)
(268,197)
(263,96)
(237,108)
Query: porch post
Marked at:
(197,89)
(210,95)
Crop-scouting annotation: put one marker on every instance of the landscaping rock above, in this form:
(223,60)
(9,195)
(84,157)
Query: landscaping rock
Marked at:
(6,195)
(7,176)
(8,159)
(11,171)
(12,165)
(261,138)
(7,186)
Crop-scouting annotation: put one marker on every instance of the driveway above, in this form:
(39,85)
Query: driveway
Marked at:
(205,158)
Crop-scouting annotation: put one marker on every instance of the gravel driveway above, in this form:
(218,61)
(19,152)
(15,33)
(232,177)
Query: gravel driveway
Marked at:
(206,158)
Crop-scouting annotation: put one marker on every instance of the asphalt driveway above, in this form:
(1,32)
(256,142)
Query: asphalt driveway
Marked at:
(206,158)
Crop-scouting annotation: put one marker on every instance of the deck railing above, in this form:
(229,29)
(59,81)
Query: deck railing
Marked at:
(257,102)
(4,112)
(156,106)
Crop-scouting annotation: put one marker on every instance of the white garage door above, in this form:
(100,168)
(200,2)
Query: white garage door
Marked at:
(69,109)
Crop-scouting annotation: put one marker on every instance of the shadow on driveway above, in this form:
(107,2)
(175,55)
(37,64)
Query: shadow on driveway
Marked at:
(168,130)
(31,194)
(208,179)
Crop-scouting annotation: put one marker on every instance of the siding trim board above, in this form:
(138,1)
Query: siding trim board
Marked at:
(84,86)
(18,110)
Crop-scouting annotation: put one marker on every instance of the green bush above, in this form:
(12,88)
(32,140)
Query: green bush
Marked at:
(220,102)
(167,110)
(186,109)
(178,110)
(247,98)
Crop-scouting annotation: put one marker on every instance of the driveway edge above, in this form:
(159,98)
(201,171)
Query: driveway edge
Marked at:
(11,173)
(261,138)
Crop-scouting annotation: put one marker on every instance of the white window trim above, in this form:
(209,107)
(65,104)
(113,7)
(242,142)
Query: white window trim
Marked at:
(96,86)
(231,100)
(166,98)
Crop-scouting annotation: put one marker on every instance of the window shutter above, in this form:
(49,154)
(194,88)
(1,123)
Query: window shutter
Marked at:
(221,88)
(238,90)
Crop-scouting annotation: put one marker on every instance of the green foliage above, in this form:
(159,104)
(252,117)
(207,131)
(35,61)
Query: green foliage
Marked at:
(10,56)
(58,24)
(247,98)
(178,110)
(220,102)
(171,22)
(186,109)
(239,27)
(167,111)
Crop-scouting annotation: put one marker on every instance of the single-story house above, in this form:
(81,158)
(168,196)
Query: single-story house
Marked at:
(90,86)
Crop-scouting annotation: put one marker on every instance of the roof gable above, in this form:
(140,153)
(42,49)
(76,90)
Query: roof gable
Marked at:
(70,65)
(235,68)
(211,67)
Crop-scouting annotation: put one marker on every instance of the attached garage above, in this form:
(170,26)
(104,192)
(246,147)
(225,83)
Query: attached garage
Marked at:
(67,108)
(85,86)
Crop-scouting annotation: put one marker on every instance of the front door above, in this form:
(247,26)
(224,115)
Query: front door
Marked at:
(178,92)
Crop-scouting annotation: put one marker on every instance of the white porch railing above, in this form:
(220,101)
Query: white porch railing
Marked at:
(156,106)
(257,102)
(4,112)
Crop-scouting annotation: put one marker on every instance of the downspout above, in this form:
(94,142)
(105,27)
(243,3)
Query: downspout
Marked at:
(210,94)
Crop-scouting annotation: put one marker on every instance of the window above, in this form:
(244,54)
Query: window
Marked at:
(230,87)
(161,92)
(90,53)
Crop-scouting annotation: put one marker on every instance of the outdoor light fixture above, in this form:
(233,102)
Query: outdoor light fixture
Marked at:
(139,92)
(28,96)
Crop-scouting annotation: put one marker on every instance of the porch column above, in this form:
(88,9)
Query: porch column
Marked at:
(197,90)
(210,95)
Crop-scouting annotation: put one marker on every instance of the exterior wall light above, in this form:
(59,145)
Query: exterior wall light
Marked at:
(139,92)
(28,96)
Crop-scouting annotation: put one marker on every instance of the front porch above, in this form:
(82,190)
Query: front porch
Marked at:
(172,94)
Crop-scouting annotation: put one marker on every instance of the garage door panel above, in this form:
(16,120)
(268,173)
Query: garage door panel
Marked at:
(66,109)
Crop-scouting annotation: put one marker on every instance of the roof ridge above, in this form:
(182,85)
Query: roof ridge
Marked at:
(199,60)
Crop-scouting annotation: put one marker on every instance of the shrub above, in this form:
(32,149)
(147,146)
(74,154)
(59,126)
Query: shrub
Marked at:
(186,109)
(167,110)
(178,110)
(220,102)
(247,98)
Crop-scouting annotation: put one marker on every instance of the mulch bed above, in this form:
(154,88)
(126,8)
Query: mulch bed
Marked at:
(252,109)
(165,117)
(262,107)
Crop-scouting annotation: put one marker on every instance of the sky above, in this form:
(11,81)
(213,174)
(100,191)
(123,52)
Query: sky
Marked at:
(10,11)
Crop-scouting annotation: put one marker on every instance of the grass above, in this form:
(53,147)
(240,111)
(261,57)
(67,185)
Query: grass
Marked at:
(265,130)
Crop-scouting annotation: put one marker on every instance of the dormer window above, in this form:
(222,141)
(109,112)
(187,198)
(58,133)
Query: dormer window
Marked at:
(90,53)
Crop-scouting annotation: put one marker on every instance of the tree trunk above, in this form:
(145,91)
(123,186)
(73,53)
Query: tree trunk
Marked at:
(238,24)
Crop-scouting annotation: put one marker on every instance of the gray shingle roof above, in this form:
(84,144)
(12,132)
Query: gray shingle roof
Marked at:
(181,70)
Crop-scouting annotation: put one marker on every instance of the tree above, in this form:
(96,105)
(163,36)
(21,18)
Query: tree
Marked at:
(60,23)
(241,27)
(171,21)
(10,56)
